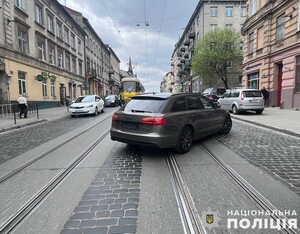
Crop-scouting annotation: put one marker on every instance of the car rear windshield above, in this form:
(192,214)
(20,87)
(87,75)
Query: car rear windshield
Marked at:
(252,93)
(146,105)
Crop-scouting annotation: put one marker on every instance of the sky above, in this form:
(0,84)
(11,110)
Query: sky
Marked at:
(144,30)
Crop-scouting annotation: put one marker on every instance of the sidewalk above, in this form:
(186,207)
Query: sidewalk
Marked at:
(286,121)
(283,120)
(7,124)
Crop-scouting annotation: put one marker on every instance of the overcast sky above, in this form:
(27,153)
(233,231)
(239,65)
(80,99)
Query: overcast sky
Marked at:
(150,47)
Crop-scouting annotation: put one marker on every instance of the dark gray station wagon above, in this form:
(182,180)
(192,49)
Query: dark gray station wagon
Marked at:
(166,120)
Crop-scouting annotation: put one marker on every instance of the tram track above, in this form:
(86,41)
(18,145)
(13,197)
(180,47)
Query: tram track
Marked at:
(8,225)
(42,155)
(188,212)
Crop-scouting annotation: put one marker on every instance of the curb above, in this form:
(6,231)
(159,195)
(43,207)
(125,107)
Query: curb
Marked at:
(17,126)
(288,132)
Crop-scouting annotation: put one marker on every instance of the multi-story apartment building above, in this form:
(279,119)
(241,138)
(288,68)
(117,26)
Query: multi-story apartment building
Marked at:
(272,50)
(97,57)
(208,15)
(41,52)
(168,84)
(114,73)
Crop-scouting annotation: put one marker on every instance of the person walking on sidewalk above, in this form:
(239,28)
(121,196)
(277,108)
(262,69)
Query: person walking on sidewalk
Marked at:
(265,94)
(22,105)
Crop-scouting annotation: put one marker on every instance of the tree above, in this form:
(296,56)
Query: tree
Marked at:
(214,51)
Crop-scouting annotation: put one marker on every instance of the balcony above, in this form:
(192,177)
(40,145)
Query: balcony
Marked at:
(192,35)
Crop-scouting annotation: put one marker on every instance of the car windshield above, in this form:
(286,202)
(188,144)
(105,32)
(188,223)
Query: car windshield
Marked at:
(252,93)
(145,105)
(85,99)
(110,98)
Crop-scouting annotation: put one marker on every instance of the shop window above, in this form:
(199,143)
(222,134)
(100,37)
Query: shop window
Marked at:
(253,81)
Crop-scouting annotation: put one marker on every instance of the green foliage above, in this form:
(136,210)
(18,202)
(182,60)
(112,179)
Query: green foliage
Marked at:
(213,52)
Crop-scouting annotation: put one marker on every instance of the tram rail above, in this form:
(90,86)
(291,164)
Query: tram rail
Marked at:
(8,225)
(190,216)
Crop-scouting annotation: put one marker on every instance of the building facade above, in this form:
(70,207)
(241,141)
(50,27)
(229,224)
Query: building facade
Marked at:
(41,53)
(272,50)
(207,16)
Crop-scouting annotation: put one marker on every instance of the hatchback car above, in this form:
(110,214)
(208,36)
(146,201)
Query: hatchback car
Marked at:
(239,100)
(214,93)
(166,120)
(89,104)
(111,100)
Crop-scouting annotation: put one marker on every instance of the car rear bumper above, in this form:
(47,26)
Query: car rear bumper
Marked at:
(252,107)
(152,140)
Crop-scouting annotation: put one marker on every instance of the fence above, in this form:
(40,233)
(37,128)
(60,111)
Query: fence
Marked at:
(11,110)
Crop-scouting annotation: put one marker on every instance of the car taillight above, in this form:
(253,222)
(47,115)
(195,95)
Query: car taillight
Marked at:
(242,96)
(115,117)
(154,120)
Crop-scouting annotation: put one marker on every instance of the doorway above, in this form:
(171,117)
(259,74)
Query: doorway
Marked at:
(279,88)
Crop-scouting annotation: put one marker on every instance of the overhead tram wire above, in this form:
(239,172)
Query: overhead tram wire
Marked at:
(116,28)
(145,13)
(161,23)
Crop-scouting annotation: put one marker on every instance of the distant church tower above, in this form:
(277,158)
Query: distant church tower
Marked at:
(130,71)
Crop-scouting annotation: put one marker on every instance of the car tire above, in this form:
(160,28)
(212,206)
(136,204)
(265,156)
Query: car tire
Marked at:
(102,110)
(185,140)
(227,125)
(96,111)
(235,110)
(259,112)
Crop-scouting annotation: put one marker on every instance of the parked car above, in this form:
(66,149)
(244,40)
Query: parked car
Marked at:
(111,100)
(214,93)
(239,100)
(166,120)
(89,104)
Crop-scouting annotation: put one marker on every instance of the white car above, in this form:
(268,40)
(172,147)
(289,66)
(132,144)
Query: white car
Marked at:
(89,104)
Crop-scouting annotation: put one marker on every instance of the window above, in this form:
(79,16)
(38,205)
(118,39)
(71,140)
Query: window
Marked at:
(80,68)
(73,64)
(41,48)
(253,81)
(21,4)
(213,11)
(66,35)
(60,58)
(59,29)
(22,82)
(251,43)
(280,28)
(179,105)
(252,7)
(52,86)
(51,54)
(213,26)
(260,38)
(44,87)
(194,103)
(229,11)
(50,25)
(72,40)
(23,40)
(68,62)
(298,75)
(79,46)
(243,11)
(38,14)
(228,25)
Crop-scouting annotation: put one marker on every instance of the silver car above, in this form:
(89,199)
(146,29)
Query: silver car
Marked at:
(239,100)
(166,120)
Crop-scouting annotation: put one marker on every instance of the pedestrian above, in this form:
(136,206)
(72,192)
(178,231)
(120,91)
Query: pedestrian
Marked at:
(265,94)
(22,105)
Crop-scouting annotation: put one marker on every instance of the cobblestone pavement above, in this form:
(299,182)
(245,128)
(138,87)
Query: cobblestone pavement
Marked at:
(277,153)
(19,141)
(110,205)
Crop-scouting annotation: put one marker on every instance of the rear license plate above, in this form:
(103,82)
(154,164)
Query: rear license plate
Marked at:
(254,101)
(130,126)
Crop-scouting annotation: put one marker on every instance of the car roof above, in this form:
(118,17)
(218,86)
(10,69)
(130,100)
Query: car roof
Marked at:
(162,95)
